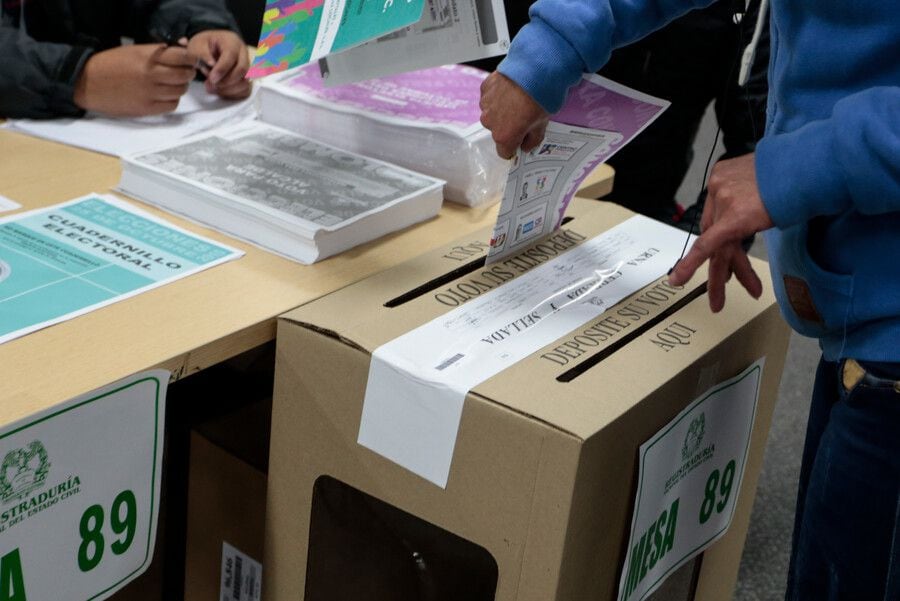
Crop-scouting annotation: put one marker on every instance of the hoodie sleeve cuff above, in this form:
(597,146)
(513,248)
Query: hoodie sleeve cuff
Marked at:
(61,98)
(196,27)
(544,64)
(799,176)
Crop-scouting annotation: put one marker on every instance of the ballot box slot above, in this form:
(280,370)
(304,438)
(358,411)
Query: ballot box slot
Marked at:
(437,282)
(587,364)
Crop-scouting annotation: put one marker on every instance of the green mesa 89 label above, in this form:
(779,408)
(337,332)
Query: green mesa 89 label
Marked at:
(79,489)
(688,483)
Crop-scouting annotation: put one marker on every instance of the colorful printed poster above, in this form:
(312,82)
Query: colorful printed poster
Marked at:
(295,32)
(599,118)
(65,260)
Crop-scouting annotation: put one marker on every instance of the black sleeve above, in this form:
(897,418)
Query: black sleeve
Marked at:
(189,17)
(37,79)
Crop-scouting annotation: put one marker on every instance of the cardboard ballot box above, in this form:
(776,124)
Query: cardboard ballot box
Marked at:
(226,506)
(512,478)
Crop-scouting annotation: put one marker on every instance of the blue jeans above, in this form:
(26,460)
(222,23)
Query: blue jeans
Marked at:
(847,527)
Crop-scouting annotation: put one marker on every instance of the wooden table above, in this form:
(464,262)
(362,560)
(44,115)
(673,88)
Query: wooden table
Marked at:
(195,322)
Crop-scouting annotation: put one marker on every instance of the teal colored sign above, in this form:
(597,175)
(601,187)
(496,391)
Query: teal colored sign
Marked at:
(64,260)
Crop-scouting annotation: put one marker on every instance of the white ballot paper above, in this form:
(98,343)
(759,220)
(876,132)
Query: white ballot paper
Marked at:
(8,204)
(418,382)
(79,492)
(599,118)
(689,479)
(240,576)
(450,31)
(197,111)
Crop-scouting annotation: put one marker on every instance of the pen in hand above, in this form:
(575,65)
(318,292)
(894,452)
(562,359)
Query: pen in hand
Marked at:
(173,40)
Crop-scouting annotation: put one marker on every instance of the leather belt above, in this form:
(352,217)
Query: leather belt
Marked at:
(853,375)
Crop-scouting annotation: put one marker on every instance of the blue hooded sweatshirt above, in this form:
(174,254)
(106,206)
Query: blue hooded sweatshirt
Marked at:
(828,168)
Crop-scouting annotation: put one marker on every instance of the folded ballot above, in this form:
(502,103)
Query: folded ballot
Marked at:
(281,191)
(428,121)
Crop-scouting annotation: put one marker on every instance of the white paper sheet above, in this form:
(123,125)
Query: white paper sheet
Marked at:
(241,575)
(197,112)
(8,204)
(451,31)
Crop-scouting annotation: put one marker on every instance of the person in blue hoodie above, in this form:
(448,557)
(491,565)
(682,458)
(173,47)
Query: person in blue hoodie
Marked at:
(824,184)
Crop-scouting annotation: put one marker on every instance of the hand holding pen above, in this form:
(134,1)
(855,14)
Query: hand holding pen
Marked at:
(135,80)
(223,60)
(149,79)
(180,41)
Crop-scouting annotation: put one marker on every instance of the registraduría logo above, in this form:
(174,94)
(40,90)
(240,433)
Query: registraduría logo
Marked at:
(693,453)
(23,471)
(694,437)
(24,488)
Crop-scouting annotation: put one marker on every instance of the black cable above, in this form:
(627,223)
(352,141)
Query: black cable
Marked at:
(704,177)
(750,111)
(702,203)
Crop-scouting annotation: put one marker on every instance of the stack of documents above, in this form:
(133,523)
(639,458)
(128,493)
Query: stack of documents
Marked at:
(428,121)
(281,191)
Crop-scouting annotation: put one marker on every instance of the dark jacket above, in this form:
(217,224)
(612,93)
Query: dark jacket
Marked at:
(44,44)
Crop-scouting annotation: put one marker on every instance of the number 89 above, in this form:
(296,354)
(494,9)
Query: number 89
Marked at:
(90,553)
(724,490)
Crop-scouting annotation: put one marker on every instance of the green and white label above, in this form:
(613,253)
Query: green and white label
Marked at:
(79,493)
(689,480)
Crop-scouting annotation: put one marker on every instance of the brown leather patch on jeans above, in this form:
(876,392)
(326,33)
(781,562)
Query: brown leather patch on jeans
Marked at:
(801,299)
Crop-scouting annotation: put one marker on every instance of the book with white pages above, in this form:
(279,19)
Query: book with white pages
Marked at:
(281,191)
